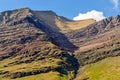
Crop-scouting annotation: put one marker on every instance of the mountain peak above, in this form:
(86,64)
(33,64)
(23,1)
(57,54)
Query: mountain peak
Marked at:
(12,15)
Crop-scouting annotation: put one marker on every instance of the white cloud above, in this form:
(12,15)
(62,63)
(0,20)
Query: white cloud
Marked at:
(96,15)
(116,4)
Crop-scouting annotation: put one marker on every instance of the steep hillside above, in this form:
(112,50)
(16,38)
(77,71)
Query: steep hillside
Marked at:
(39,44)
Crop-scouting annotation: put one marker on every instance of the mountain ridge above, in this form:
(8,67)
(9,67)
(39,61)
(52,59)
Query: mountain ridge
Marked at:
(47,16)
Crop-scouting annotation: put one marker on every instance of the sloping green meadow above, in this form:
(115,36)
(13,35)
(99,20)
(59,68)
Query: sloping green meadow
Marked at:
(107,69)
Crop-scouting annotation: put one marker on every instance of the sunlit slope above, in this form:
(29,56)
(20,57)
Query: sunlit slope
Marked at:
(107,69)
(69,25)
(74,25)
(44,76)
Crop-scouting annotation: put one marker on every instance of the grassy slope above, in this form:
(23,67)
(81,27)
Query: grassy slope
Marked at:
(29,67)
(107,69)
(49,75)
(44,76)
(75,25)
(48,60)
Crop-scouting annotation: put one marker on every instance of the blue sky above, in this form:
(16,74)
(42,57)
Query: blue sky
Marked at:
(66,8)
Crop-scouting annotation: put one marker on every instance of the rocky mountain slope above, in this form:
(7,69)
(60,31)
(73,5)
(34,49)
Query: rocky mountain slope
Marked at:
(29,46)
(36,44)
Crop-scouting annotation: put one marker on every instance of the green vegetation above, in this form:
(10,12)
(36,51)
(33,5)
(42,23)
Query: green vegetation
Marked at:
(37,62)
(107,69)
(44,76)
